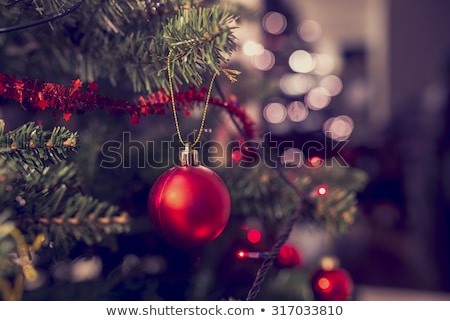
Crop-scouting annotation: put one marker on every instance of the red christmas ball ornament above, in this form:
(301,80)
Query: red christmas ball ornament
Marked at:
(288,257)
(189,206)
(332,284)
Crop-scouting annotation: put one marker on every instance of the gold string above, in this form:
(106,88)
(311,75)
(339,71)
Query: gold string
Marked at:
(172,98)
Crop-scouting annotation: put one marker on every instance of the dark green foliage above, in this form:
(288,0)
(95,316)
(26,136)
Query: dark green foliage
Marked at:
(110,39)
(44,191)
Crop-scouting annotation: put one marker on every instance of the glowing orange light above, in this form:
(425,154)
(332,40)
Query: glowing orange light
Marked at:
(254,236)
(322,190)
(241,254)
(315,161)
(324,284)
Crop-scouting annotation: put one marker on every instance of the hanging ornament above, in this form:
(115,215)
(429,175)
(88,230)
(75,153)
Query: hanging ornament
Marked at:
(288,257)
(331,283)
(189,205)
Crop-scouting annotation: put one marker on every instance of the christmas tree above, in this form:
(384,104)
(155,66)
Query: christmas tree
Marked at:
(98,99)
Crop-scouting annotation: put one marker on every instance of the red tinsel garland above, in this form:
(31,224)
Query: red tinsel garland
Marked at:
(69,100)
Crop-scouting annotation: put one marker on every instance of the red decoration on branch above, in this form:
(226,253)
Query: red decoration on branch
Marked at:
(189,206)
(332,285)
(288,257)
(69,100)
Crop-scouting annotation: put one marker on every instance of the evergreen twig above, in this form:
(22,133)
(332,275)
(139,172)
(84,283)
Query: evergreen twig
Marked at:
(41,21)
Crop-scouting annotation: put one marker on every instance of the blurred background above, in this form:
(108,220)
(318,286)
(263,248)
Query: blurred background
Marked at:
(383,69)
(373,74)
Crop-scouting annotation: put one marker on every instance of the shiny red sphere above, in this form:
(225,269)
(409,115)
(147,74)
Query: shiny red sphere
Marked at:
(189,206)
(288,257)
(332,285)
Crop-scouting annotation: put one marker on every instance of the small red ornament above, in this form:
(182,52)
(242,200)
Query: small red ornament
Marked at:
(332,284)
(189,206)
(288,257)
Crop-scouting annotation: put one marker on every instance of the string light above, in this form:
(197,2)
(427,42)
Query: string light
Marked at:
(241,254)
(322,190)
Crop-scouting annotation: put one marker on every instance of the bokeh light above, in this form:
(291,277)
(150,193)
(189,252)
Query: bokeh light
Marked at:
(252,48)
(338,128)
(325,285)
(333,84)
(129,262)
(322,190)
(274,22)
(318,98)
(301,61)
(315,161)
(264,61)
(292,157)
(309,30)
(86,269)
(296,84)
(154,264)
(274,113)
(297,111)
(323,64)
(241,254)
(254,236)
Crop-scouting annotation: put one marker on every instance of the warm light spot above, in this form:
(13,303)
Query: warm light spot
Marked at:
(309,30)
(301,61)
(274,22)
(297,111)
(338,128)
(274,113)
(241,254)
(329,263)
(264,61)
(323,64)
(318,98)
(322,190)
(86,269)
(252,48)
(315,161)
(293,157)
(324,284)
(333,84)
(154,264)
(296,84)
(254,236)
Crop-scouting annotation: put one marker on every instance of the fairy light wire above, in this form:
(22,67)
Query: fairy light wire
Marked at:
(172,98)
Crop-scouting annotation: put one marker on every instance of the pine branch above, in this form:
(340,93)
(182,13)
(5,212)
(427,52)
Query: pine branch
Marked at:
(109,39)
(81,217)
(333,192)
(41,21)
(260,191)
(30,148)
(6,243)
(51,202)
(44,191)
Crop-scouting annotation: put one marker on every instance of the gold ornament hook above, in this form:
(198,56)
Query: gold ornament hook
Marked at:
(189,156)
(174,110)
